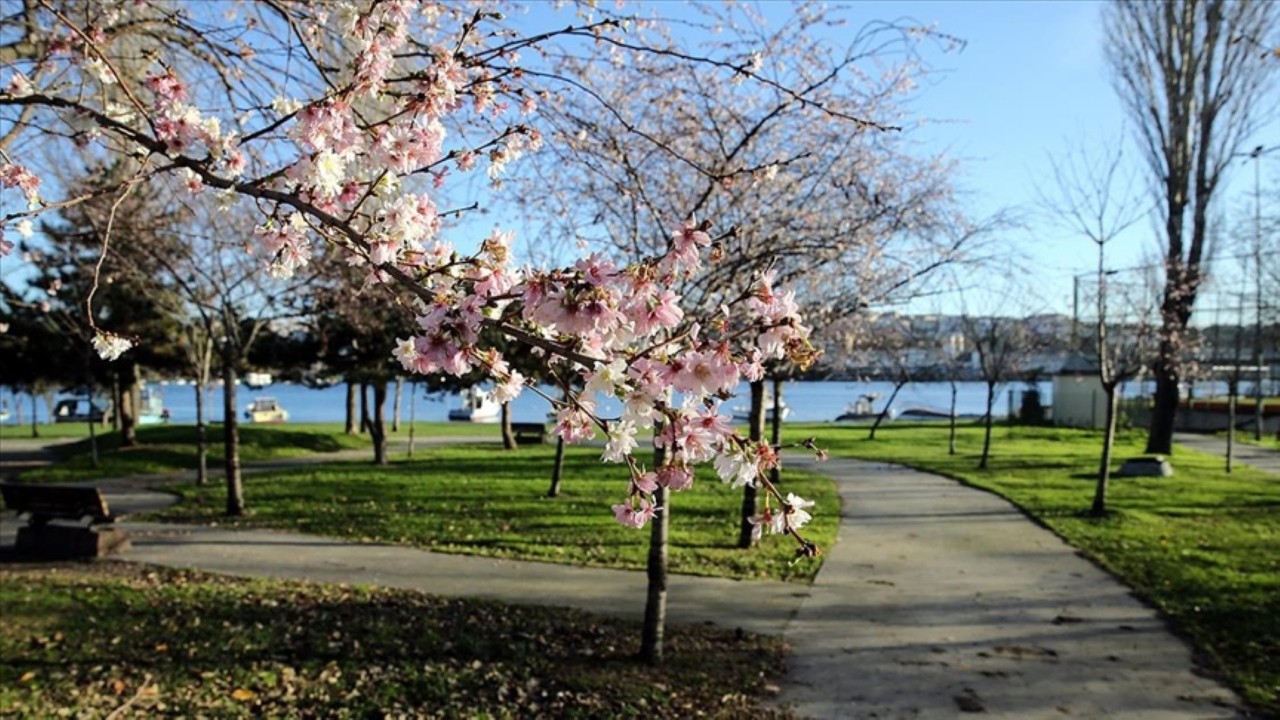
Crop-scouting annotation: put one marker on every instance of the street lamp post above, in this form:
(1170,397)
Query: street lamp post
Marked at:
(1256,155)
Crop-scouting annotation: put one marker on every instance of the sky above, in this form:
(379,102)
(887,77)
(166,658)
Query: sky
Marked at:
(1033,81)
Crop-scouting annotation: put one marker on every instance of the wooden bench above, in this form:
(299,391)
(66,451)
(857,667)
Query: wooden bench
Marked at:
(41,505)
(529,433)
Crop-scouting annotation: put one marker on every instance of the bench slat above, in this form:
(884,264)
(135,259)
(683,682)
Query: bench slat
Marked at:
(56,502)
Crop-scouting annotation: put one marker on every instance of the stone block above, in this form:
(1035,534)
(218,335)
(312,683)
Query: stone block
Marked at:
(69,542)
(1154,466)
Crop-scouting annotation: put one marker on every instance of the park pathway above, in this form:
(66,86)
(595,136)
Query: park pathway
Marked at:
(938,601)
(941,600)
(1262,458)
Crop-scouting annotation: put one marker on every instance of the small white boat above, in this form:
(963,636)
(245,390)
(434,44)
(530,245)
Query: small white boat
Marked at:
(258,380)
(863,410)
(266,410)
(477,406)
(151,408)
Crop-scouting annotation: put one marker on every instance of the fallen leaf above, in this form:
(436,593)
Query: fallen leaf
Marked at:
(243,694)
(26,676)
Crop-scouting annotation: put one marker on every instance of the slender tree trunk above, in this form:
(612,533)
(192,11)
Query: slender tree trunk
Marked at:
(93,431)
(775,473)
(35,416)
(986,436)
(951,437)
(655,606)
(395,412)
(746,538)
(364,407)
(231,437)
(202,440)
(508,436)
(1108,442)
(1232,388)
(202,425)
(557,470)
(884,411)
(413,400)
(378,424)
(129,407)
(350,427)
(115,401)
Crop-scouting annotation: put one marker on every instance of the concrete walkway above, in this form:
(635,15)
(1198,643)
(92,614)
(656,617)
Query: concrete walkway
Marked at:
(1261,458)
(937,601)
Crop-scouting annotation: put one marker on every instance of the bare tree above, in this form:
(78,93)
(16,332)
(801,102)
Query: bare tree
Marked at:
(1004,346)
(1196,89)
(1093,197)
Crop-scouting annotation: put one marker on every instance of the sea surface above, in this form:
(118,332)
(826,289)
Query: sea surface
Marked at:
(809,401)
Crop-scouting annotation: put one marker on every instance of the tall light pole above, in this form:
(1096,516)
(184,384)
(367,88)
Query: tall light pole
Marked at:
(1256,155)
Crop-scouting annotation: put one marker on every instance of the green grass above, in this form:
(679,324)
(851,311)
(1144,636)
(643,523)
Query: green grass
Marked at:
(49,430)
(171,448)
(486,501)
(89,639)
(1203,546)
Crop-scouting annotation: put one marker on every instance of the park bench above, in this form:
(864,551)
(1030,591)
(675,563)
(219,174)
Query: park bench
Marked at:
(43,537)
(529,433)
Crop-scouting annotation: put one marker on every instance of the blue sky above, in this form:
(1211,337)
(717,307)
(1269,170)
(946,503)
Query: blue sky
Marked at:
(1032,81)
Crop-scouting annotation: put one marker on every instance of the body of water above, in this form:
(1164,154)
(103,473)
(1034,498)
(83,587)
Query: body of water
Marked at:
(810,401)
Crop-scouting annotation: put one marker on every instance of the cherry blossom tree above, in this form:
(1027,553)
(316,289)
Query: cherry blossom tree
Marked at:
(360,127)
(812,172)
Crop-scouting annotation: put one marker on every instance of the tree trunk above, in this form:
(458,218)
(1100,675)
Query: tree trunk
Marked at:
(35,416)
(202,440)
(1233,386)
(413,400)
(884,411)
(395,412)
(508,436)
(93,439)
(364,407)
(129,407)
(350,427)
(1108,442)
(202,425)
(557,470)
(951,438)
(655,606)
(986,437)
(93,431)
(746,538)
(378,424)
(1164,414)
(115,401)
(775,473)
(231,437)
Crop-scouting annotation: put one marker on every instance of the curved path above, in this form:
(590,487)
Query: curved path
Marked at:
(938,601)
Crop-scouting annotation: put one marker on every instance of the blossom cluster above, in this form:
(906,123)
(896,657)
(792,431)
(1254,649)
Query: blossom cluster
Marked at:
(623,331)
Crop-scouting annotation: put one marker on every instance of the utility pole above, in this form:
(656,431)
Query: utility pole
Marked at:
(1258,414)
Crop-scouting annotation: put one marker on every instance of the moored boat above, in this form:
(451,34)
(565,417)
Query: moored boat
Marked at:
(266,410)
(477,406)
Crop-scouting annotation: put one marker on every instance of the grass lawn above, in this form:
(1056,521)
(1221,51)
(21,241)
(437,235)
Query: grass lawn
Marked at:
(171,448)
(1203,546)
(87,639)
(486,501)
